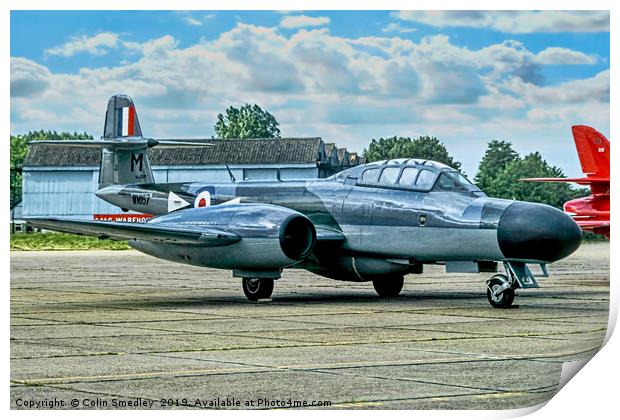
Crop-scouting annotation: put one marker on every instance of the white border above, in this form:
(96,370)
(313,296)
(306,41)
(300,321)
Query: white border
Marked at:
(592,394)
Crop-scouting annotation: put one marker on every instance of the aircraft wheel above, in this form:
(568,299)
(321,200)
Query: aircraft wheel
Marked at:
(256,289)
(389,287)
(497,297)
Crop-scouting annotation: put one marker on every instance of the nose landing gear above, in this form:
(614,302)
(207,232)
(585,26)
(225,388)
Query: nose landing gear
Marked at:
(500,292)
(501,287)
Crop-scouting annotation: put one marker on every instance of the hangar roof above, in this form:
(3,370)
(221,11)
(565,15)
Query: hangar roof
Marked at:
(247,151)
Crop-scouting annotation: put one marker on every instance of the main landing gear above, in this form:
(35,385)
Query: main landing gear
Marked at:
(256,289)
(501,287)
(389,287)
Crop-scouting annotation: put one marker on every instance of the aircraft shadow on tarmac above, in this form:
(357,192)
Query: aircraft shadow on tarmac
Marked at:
(437,298)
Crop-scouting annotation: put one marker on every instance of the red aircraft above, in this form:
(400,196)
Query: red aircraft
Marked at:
(592,212)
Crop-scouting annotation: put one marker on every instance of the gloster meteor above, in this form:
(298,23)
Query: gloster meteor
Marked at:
(371,223)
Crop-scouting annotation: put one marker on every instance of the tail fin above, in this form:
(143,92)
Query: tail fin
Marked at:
(118,164)
(121,119)
(124,154)
(593,150)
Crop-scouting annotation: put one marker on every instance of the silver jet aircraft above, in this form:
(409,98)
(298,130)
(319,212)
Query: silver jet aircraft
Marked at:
(370,223)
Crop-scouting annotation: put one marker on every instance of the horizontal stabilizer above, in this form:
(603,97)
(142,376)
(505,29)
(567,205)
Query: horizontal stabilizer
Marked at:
(592,224)
(138,231)
(580,181)
(134,143)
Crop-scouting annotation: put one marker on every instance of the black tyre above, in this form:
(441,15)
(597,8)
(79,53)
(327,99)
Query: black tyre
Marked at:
(505,298)
(389,287)
(256,289)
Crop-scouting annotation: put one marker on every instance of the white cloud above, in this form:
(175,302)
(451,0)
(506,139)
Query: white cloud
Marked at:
(556,55)
(302,21)
(132,46)
(317,83)
(397,27)
(259,54)
(28,78)
(515,21)
(312,65)
(159,45)
(594,111)
(98,44)
(193,21)
(577,92)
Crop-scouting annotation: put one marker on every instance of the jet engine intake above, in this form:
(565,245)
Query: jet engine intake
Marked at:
(297,237)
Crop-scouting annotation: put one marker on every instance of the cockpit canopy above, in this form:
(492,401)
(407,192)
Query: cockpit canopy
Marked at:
(410,174)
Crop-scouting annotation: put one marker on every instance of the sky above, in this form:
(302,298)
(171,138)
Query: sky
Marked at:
(466,77)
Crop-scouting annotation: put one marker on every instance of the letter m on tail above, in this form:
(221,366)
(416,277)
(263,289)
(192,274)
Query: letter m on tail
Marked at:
(136,162)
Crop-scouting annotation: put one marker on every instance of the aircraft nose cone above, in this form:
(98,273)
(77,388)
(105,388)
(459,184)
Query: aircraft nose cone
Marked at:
(530,231)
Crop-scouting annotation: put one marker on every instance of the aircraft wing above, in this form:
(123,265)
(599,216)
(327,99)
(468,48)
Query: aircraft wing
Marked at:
(145,231)
(600,227)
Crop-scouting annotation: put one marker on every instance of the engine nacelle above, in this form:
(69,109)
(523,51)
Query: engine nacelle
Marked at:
(272,237)
(358,268)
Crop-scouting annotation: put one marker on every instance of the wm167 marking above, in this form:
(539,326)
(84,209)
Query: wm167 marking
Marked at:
(141,199)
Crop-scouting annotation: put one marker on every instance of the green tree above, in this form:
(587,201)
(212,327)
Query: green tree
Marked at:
(247,122)
(19,148)
(506,183)
(424,147)
(498,155)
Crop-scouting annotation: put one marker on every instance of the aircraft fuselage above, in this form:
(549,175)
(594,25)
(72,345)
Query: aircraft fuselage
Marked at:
(388,222)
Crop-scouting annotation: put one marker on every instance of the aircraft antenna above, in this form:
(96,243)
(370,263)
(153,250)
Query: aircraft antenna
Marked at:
(232,177)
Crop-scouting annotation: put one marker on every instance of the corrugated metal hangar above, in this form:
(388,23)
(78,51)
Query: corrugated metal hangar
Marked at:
(63,181)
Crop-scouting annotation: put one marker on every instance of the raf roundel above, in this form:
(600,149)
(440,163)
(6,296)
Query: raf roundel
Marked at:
(203,199)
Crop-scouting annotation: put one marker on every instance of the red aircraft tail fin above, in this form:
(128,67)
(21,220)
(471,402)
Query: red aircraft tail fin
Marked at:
(593,150)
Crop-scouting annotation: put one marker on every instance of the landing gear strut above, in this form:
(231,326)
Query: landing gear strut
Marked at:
(256,289)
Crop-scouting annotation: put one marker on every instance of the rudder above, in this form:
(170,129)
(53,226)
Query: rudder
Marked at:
(121,119)
(593,151)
